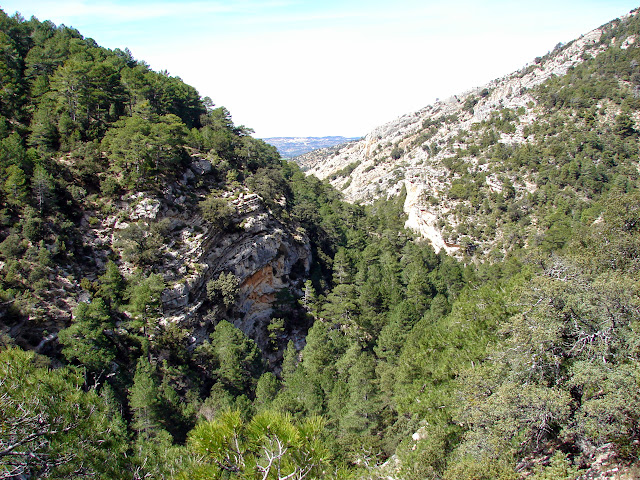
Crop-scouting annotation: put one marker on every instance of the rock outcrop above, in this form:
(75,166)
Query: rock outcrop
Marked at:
(263,254)
(266,256)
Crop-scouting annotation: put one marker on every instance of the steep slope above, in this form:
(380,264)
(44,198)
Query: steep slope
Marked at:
(264,254)
(108,166)
(451,156)
(167,230)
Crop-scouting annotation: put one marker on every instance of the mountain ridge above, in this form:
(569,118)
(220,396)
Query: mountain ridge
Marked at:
(395,156)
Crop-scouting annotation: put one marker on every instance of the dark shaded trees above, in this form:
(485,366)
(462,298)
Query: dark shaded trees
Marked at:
(91,338)
(50,426)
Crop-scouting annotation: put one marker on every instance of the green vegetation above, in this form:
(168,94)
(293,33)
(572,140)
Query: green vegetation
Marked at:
(269,446)
(51,427)
(344,172)
(462,368)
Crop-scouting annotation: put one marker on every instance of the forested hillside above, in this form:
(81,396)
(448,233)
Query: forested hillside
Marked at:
(179,302)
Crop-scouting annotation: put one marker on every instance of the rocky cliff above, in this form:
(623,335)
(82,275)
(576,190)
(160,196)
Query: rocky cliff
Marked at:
(261,252)
(264,254)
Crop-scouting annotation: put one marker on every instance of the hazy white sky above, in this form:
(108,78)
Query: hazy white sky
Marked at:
(328,67)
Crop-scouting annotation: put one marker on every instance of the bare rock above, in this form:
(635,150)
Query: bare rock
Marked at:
(201,166)
(264,254)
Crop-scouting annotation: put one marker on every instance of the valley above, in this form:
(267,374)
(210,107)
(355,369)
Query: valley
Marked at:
(452,296)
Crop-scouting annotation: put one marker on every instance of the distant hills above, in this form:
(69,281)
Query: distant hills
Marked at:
(290,147)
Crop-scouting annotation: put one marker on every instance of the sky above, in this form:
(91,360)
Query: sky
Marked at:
(328,67)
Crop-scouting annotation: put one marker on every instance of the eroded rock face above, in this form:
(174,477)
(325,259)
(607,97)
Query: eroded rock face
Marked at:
(265,257)
(264,254)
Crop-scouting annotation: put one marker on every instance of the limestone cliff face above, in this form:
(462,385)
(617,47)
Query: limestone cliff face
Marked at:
(264,254)
(410,151)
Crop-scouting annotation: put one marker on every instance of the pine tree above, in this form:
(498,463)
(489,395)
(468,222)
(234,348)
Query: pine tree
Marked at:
(144,401)
(266,391)
(14,185)
(237,357)
(51,427)
(112,285)
(290,361)
(42,186)
(91,338)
